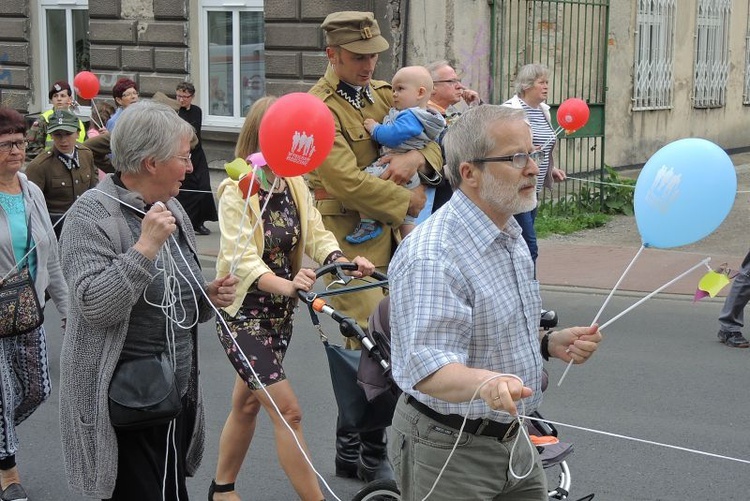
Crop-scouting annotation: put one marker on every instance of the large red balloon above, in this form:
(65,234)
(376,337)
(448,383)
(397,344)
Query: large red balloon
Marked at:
(296,134)
(573,114)
(86,84)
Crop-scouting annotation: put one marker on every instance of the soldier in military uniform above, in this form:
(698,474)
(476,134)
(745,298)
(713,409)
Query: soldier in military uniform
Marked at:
(38,136)
(342,189)
(66,171)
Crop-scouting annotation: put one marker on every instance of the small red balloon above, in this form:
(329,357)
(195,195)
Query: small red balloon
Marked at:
(247,188)
(86,84)
(573,114)
(296,134)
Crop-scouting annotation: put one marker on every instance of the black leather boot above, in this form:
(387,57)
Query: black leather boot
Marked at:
(347,453)
(373,461)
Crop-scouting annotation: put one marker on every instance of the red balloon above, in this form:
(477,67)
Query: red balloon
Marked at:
(86,84)
(296,134)
(246,187)
(573,114)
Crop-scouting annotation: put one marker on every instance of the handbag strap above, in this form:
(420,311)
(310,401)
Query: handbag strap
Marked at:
(24,261)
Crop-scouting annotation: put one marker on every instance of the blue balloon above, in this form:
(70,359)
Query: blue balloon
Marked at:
(683,193)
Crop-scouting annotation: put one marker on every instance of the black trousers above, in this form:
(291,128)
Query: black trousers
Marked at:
(143,456)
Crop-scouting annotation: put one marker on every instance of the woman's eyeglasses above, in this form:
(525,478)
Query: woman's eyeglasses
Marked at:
(7,146)
(185,159)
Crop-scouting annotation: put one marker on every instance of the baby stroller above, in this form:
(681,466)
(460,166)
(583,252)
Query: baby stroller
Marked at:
(366,395)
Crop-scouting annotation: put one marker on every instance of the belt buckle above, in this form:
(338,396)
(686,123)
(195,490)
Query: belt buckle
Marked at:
(485,422)
(512,429)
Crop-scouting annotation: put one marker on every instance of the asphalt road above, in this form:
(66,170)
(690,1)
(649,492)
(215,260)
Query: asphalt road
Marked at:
(660,376)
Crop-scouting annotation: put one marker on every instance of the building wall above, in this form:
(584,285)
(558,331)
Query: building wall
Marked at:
(15,54)
(295,52)
(459,30)
(454,30)
(632,137)
(146,41)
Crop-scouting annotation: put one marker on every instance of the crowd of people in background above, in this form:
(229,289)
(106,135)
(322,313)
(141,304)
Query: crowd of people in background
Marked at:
(128,200)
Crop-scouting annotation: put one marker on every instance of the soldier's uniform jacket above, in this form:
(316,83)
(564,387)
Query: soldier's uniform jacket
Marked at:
(62,184)
(341,187)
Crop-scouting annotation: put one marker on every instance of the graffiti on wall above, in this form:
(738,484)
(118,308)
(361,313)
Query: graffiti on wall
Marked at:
(474,62)
(6,77)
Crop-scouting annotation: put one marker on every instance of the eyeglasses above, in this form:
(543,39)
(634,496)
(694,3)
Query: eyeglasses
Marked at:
(185,159)
(520,160)
(130,93)
(183,96)
(7,146)
(452,81)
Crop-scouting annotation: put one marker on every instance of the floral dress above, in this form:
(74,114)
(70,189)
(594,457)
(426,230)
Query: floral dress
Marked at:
(263,326)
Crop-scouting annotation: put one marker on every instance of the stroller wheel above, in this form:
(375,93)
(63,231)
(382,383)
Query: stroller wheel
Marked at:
(378,490)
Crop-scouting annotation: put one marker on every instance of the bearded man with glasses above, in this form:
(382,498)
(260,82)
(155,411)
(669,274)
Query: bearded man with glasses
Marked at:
(479,354)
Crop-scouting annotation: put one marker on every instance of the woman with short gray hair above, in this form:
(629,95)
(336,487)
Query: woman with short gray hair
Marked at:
(532,84)
(137,294)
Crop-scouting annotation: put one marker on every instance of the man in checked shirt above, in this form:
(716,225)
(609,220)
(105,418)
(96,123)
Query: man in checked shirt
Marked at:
(465,323)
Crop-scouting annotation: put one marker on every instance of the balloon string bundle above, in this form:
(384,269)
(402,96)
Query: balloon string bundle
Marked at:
(237,257)
(521,431)
(226,329)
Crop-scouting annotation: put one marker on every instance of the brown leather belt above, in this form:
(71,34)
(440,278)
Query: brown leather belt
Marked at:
(486,427)
(321,194)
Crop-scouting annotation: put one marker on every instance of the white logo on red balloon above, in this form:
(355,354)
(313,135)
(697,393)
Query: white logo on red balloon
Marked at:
(664,190)
(303,147)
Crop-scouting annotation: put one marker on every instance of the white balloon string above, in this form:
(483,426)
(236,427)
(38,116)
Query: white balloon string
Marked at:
(604,305)
(552,138)
(224,325)
(233,261)
(617,285)
(604,183)
(652,294)
(96,110)
(639,440)
(463,424)
(258,222)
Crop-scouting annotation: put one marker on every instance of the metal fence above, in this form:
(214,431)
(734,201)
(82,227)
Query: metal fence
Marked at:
(570,38)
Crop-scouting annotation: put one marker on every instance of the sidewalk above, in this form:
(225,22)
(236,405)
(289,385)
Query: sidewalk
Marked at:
(599,267)
(600,264)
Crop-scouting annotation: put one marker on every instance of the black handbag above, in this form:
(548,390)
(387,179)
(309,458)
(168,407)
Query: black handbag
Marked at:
(143,393)
(20,309)
(356,412)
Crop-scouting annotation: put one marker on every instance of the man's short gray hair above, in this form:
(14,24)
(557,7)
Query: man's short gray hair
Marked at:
(147,129)
(527,75)
(469,137)
(435,66)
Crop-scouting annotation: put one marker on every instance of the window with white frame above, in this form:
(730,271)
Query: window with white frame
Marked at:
(711,53)
(654,55)
(232,60)
(65,48)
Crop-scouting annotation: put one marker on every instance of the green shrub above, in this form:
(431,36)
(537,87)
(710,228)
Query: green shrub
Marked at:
(589,207)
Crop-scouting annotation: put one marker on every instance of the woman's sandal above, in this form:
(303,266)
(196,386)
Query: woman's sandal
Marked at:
(218,488)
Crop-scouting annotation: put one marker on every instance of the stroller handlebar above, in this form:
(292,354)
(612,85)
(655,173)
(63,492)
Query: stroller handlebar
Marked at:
(347,325)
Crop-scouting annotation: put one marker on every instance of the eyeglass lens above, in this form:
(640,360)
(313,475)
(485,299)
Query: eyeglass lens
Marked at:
(521,160)
(8,145)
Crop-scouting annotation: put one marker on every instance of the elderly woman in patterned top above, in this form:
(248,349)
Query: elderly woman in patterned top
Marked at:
(532,84)
(26,238)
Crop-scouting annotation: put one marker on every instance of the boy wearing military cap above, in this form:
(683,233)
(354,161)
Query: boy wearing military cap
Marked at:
(67,170)
(38,136)
(343,189)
